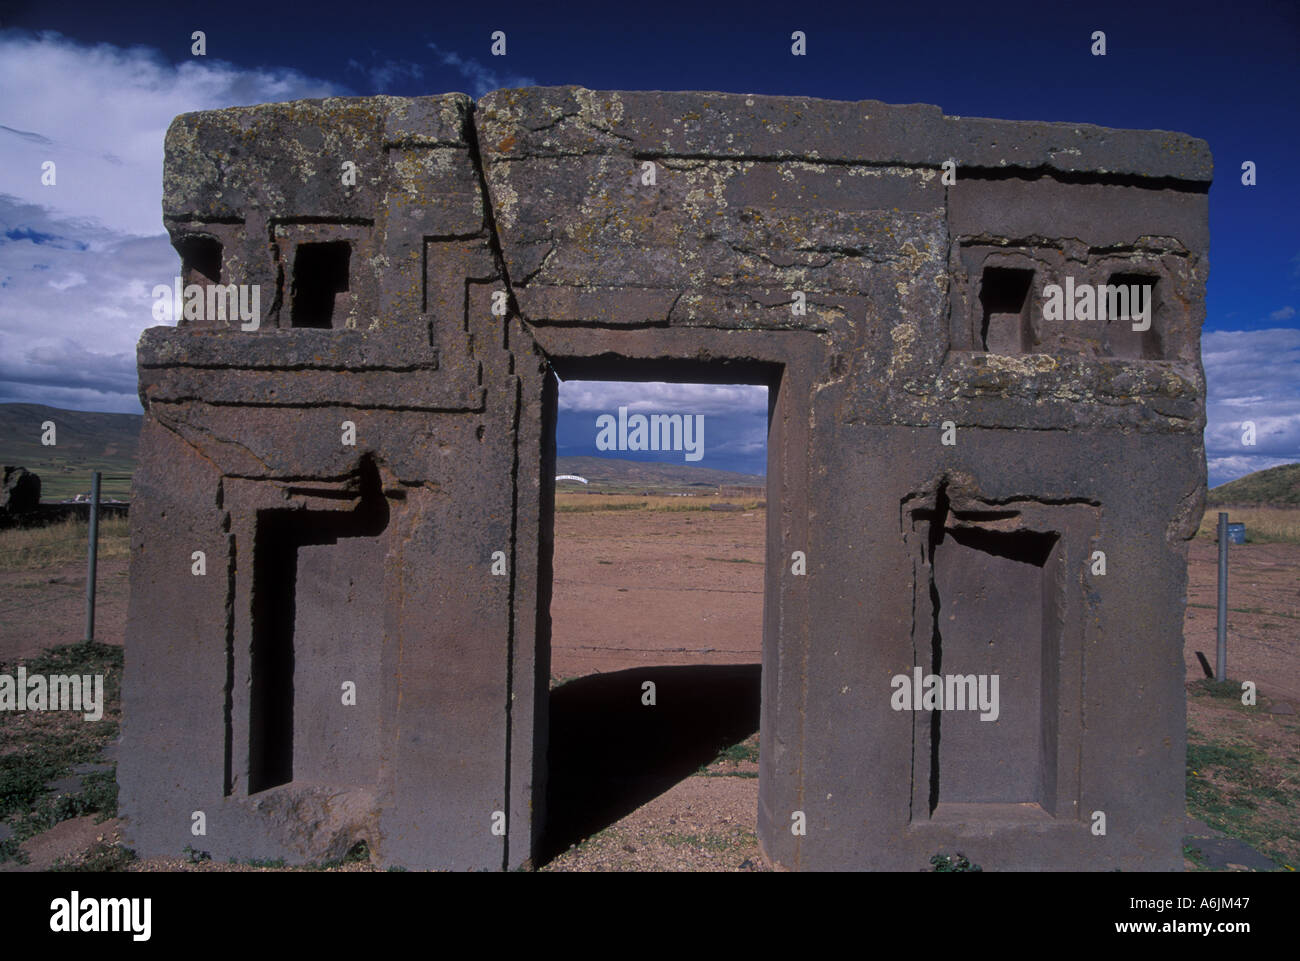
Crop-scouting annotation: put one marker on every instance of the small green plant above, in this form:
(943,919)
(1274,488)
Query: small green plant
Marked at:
(100,792)
(10,851)
(943,864)
(195,857)
(40,748)
(1231,690)
(744,751)
(359,853)
(103,856)
(263,862)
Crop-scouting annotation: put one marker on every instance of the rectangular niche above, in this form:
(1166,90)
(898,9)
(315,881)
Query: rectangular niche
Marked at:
(202,254)
(319,293)
(328,276)
(1118,336)
(318,606)
(1005,326)
(993,601)
(200,259)
(996,593)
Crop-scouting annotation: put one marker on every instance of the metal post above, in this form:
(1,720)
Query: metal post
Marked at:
(91,555)
(1221,663)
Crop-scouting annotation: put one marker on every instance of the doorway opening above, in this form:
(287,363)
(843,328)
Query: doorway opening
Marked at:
(659,513)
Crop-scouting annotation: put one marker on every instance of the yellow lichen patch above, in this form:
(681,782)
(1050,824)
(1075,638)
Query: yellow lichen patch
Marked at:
(915,258)
(903,336)
(1174,384)
(499,109)
(187,168)
(705,183)
(1020,365)
(804,166)
(598,113)
(300,157)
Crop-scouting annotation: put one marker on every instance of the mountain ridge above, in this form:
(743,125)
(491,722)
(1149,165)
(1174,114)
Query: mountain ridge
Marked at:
(616,470)
(1272,487)
(87,441)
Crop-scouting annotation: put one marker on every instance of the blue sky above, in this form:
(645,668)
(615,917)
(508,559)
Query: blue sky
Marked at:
(93,87)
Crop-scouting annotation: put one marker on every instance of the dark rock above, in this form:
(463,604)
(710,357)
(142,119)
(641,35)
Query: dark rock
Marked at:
(22,491)
(91,767)
(1199,829)
(65,785)
(1224,853)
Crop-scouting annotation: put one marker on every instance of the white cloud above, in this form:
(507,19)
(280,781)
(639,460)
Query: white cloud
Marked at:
(606,397)
(382,76)
(735,416)
(70,314)
(74,279)
(78,260)
(1283,313)
(1251,376)
(1223,469)
(100,113)
(481,79)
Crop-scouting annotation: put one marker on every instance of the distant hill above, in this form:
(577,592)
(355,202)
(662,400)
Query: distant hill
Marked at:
(89,441)
(615,472)
(1277,487)
(84,442)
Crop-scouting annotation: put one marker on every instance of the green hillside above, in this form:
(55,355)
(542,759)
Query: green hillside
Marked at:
(615,473)
(1275,487)
(87,442)
(84,442)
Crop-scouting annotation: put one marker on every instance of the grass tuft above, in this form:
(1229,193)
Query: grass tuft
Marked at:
(1264,525)
(58,545)
(943,864)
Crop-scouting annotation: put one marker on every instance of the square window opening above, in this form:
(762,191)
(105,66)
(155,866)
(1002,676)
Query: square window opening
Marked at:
(320,280)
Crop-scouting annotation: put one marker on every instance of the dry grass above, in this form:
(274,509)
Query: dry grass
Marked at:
(567,503)
(55,546)
(1264,525)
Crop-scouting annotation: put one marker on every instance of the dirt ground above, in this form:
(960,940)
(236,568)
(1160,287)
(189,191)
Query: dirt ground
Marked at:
(676,597)
(1263,614)
(643,588)
(40,610)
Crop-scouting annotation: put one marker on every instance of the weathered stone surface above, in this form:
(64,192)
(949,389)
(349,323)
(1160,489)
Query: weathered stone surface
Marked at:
(554,121)
(949,458)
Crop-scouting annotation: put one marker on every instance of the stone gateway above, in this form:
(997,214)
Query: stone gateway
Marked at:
(947,463)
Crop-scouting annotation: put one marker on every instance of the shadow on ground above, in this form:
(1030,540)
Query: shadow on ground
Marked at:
(610,753)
